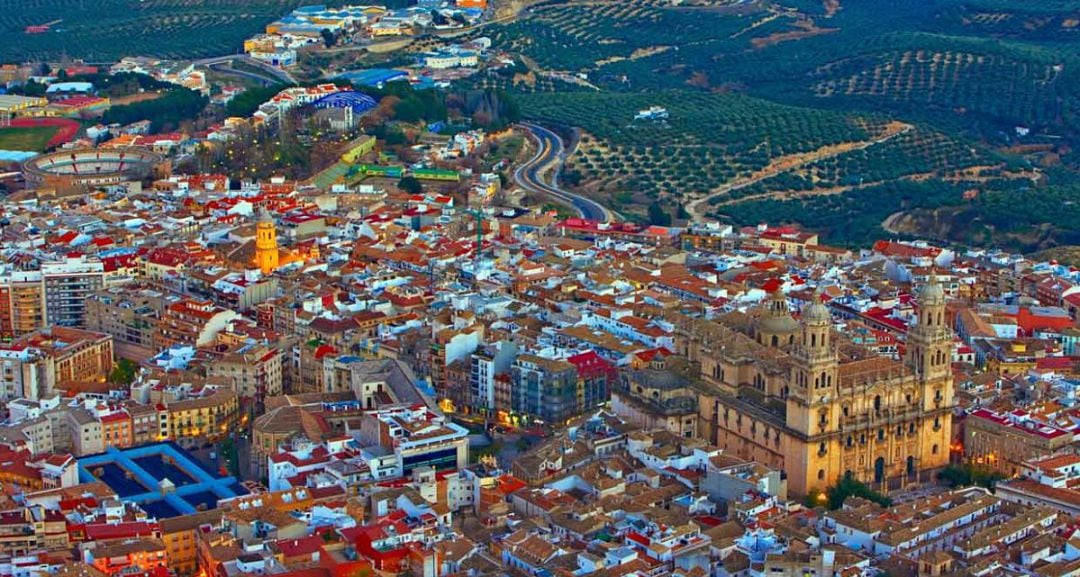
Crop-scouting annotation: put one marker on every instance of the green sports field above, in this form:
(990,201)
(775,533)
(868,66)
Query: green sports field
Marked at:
(31,138)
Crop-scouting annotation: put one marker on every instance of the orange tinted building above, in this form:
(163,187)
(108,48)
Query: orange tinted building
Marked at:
(116,430)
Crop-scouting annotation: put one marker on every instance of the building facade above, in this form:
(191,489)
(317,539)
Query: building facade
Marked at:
(794,405)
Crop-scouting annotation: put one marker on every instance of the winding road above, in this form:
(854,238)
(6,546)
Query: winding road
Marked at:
(547,161)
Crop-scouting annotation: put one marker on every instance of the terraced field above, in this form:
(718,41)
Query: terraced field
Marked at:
(709,140)
(102,30)
(785,105)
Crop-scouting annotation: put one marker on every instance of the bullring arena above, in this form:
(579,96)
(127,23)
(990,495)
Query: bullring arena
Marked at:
(71,171)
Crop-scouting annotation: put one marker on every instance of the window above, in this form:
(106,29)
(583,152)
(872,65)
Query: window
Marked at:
(877,403)
(881,434)
(821,475)
(934,449)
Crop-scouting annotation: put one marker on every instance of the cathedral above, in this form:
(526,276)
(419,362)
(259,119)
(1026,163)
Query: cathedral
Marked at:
(793,395)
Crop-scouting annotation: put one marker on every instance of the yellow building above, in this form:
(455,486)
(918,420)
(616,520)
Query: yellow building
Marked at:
(200,419)
(180,537)
(266,247)
(776,391)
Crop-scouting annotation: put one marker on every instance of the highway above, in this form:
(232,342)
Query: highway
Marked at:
(547,161)
(272,72)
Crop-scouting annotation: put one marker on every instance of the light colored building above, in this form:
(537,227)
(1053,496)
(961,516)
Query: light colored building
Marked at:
(255,371)
(418,436)
(33,366)
(882,421)
(196,420)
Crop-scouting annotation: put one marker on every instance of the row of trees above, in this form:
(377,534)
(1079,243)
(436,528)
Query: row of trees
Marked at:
(164,113)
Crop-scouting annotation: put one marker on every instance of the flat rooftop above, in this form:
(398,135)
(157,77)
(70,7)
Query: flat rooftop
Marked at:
(162,478)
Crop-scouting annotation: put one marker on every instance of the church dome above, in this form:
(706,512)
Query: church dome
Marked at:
(777,320)
(778,325)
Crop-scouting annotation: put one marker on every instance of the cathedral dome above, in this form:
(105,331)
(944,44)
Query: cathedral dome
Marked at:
(777,319)
(778,325)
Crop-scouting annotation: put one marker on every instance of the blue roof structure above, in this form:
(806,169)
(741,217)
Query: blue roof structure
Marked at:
(373,76)
(358,101)
(69,87)
(16,155)
(136,474)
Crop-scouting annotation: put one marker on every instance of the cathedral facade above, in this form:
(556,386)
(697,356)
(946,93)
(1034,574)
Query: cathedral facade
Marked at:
(781,392)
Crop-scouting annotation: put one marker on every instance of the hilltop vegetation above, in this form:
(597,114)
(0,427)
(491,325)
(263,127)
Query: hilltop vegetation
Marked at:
(836,115)
(104,30)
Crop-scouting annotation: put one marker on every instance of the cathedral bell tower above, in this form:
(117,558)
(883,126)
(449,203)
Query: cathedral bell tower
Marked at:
(929,342)
(266,247)
(814,381)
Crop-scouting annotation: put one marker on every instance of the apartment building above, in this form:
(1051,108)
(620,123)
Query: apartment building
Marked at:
(191,322)
(68,285)
(29,529)
(196,420)
(34,365)
(129,314)
(1004,441)
(544,389)
(255,371)
(22,303)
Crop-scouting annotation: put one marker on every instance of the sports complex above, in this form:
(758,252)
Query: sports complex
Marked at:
(73,170)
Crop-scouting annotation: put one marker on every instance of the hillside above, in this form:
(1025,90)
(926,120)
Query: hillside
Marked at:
(780,109)
(104,30)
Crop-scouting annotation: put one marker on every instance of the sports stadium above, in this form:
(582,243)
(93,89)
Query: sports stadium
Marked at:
(77,170)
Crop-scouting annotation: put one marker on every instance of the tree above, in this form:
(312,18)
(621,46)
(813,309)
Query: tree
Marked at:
(248,101)
(657,215)
(328,37)
(411,185)
(123,372)
(849,486)
(967,475)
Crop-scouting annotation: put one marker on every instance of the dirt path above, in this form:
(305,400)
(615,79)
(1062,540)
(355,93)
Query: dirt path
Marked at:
(794,194)
(889,223)
(782,164)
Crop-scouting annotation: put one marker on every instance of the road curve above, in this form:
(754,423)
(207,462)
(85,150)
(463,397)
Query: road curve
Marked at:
(550,152)
(276,73)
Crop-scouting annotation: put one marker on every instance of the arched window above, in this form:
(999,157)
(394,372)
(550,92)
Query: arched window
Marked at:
(877,403)
(934,449)
(775,341)
(813,340)
(821,475)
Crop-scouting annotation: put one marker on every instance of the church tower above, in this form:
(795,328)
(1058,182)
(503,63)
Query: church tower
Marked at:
(814,374)
(929,357)
(929,342)
(266,247)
